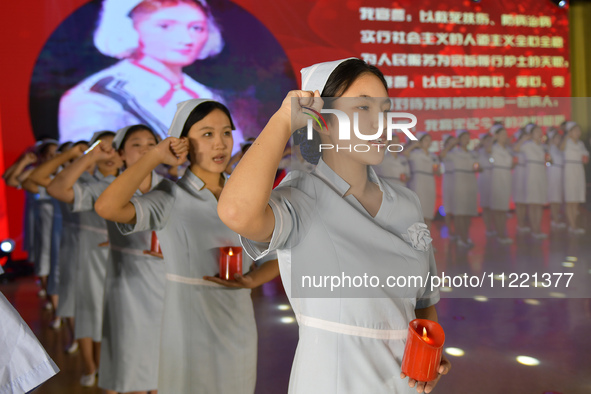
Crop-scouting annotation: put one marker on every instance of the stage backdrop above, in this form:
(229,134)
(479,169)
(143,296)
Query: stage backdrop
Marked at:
(437,56)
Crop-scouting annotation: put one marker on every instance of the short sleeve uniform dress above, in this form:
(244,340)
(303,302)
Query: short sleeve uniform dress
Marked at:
(348,343)
(133,305)
(394,169)
(501,178)
(92,261)
(536,184)
(24,364)
(554,175)
(209,336)
(484,178)
(447,184)
(422,180)
(519,179)
(574,171)
(465,190)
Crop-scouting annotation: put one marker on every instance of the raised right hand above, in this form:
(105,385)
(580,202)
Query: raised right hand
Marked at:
(173,151)
(292,107)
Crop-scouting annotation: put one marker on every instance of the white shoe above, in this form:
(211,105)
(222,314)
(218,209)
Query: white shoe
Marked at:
(539,235)
(522,230)
(505,241)
(42,293)
(56,323)
(73,348)
(491,233)
(558,225)
(576,231)
(88,380)
(465,245)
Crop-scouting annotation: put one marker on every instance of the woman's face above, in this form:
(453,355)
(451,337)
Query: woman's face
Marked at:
(112,165)
(425,142)
(49,153)
(502,136)
(367,97)
(464,140)
(173,35)
(556,139)
(136,145)
(575,132)
(211,142)
(537,134)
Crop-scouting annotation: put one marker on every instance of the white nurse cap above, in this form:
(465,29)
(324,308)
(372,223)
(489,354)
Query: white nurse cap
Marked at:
(183,110)
(496,128)
(120,136)
(529,127)
(569,125)
(483,136)
(315,77)
(97,134)
(460,132)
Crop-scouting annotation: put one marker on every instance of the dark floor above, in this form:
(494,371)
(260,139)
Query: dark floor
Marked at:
(551,327)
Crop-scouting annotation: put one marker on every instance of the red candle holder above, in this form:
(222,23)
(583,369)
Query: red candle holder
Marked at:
(230,262)
(585,159)
(515,160)
(403,177)
(476,166)
(435,168)
(422,354)
(155,245)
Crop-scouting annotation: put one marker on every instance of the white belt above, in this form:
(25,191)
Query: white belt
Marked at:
(347,329)
(93,229)
(191,281)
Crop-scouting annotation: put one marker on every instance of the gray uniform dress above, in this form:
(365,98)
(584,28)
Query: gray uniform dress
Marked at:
(554,174)
(68,261)
(394,169)
(422,180)
(134,299)
(574,171)
(519,178)
(24,364)
(536,184)
(92,262)
(500,178)
(448,183)
(465,190)
(484,178)
(209,337)
(348,344)
(43,233)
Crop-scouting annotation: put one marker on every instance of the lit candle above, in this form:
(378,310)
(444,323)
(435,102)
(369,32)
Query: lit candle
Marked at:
(422,353)
(230,262)
(155,246)
(403,177)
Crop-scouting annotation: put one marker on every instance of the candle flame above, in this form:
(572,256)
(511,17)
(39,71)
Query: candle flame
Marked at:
(425,337)
(231,253)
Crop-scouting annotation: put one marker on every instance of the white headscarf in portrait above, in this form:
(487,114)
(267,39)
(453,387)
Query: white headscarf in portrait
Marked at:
(183,110)
(315,77)
(115,35)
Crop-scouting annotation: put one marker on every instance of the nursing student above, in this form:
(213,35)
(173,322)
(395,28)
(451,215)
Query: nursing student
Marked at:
(500,181)
(134,281)
(339,218)
(70,239)
(575,158)
(92,258)
(423,168)
(554,173)
(484,193)
(208,329)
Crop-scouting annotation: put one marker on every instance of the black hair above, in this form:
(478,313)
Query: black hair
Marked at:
(44,146)
(65,145)
(81,142)
(134,129)
(104,133)
(345,74)
(201,111)
(341,79)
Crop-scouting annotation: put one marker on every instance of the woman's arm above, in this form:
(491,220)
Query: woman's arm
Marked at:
(517,146)
(62,186)
(244,203)
(26,183)
(449,147)
(42,174)
(265,273)
(11,176)
(409,148)
(114,203)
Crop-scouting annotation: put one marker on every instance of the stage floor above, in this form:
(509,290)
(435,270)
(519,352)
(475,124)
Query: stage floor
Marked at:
(492,332)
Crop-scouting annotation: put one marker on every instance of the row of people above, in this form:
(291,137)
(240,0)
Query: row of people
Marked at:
(150,321)
(528,171)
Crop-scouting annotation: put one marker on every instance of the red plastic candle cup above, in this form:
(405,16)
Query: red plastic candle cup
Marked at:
(230,262)
(435,168)
(155,246)
(585,159)
(422,354)
(403,177)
